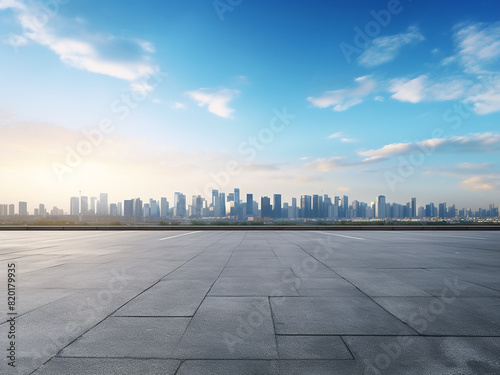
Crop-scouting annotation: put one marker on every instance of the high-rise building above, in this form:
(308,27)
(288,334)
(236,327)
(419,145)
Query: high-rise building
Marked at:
(294,209)
(3,209)
(12,209)
(277,206)
(74,207)
(128,208)
(413,207)
(345,206)
(92,209)
(305,206)
(41,210)
(266,210)
(236,197)
(138,209)
(250,205)
(442,210)
(315,208)
(103,206)
(119,207)
(380,207)
(164,207)
(23,208)
(113,209)
(84,205)
(179,205)
(222,203)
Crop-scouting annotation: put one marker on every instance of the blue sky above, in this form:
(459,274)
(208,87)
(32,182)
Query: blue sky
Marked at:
(400,98)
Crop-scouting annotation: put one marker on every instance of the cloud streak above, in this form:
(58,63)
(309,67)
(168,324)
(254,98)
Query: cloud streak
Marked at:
(216,100)
(343,99)
(477,142)
(120,58)
(386,48)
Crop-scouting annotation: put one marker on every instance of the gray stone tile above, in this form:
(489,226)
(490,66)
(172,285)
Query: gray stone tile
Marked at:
(456,316)
(255,286)
(167,298)
(333,316)
(312,347)
(108,366)
(130,337)
(226,367)
(320,367)
(426,355)
(377,283)
(230,328)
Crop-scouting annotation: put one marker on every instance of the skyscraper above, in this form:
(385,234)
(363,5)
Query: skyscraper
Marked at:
(236,198)
(103,206)
(277,206)
(84,205)
(380,207)
(442,210)
(250,205)
(305,206)
(128,208)
(180,204)
(413,207)
(265,207)
(164,207)
(74,208)
(23,208)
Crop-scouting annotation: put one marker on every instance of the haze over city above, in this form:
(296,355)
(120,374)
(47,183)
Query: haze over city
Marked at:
(396,98)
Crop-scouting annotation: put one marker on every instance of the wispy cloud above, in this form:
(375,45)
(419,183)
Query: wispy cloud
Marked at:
(127,59)
(477,142)
(335,135)
(386,48)
(330,164)
(423,89)
(216,100)
(343,99)
(479,47)
(484,182)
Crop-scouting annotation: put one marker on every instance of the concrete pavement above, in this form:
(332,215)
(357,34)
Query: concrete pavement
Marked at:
(252,302)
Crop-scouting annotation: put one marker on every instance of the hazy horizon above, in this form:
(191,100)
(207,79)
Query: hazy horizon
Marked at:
(394,98)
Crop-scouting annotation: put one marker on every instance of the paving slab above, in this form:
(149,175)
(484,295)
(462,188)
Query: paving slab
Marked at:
(130,337)
(130,302)
(108,366)
(334,316)
(230,328)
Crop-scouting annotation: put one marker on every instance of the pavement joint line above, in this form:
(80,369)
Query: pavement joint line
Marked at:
(438,235)
(78,238)
(179,235)
(58,354)
(340,235)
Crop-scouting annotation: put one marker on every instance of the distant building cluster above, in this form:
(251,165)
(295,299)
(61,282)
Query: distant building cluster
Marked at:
(234,206)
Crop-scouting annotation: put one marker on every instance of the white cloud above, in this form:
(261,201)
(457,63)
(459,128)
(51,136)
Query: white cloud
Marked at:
(121,58)
(5,4)
(379,98)
(423,89)
(474,166)
(177,105)
(477,142)
(479,47)
(328,164)
(483,182)
(386,48)
(335,135)
(343,99)
(347,140)
(217,100)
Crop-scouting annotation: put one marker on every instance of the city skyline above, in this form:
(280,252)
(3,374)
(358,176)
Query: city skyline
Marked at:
(357,98)
(272,206)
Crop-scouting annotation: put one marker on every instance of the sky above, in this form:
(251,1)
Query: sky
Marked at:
(144,99)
